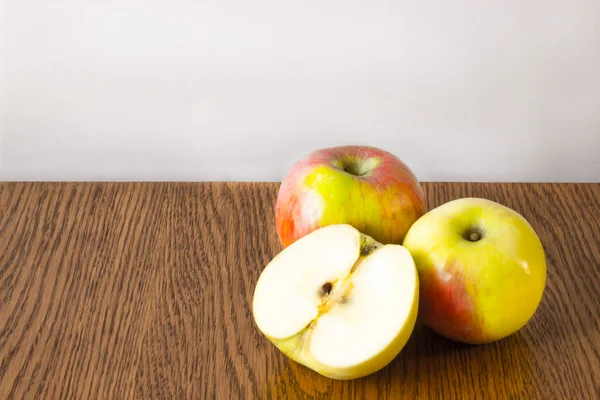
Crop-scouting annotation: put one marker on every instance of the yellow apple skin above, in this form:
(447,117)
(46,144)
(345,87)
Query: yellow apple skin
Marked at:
(479,291)
(297,348)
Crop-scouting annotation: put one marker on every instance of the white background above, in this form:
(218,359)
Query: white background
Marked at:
(238,90)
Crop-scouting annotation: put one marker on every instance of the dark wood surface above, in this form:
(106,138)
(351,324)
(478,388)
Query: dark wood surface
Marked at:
(143,290)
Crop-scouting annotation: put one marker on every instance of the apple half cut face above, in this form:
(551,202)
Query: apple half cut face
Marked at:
(338,302)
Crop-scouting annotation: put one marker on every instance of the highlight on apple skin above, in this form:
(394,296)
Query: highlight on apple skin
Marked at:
(338,302)
(363,186)
(482,270)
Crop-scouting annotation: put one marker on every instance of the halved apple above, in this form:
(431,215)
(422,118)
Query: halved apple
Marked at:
(338,302)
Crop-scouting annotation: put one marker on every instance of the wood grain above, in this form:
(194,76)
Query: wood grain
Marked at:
(143,290)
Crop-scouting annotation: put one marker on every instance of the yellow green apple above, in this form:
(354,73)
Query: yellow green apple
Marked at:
(366,187)
(482,270)
(338,302)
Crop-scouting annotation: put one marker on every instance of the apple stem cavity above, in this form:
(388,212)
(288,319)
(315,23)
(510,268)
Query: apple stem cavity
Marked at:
(353,169)
(357,166)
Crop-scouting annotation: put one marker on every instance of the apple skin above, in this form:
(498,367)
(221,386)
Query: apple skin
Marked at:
(363,186)
(480,291)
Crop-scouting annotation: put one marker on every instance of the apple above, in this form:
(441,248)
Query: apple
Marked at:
(482,270)
(338,302)
(366,187)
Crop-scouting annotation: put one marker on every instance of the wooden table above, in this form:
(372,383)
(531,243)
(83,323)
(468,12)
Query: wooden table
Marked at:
(143,290)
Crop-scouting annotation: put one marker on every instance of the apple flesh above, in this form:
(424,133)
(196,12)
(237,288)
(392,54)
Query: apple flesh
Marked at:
(338,302)
(482,270)
(366,187)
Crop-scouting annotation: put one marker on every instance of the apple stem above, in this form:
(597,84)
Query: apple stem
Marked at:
(474,236)
(368,249)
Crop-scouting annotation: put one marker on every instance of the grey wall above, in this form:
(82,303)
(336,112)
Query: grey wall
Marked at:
(238,90)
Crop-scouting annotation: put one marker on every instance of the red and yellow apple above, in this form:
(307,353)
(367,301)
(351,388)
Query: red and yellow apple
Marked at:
(482,270)
(365,187)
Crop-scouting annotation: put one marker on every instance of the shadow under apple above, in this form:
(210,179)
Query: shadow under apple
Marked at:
(433,366)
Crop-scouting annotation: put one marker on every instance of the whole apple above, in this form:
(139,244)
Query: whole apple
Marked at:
(363,186)
(482,270)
